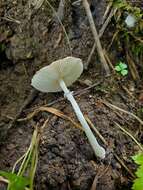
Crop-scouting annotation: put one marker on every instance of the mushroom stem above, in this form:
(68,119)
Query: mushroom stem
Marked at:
(98,150)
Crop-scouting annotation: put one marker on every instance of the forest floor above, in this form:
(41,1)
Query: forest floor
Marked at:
(31,38)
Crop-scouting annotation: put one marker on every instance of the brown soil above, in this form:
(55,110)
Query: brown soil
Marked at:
(66,160)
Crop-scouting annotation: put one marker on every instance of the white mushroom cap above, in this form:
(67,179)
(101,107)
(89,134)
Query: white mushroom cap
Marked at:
(130,21)
(67,69)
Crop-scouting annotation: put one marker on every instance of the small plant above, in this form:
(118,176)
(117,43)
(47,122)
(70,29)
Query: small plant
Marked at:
(129,25)
(126,6)
(121,68)
(15,182)
(138,182)
(18,180)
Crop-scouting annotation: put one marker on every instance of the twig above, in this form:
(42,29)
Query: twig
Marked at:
(76,2)
(113,38)
(130,135)
(101,32)
(58,41)
(78,93)
(36,3)
(127,90)
(94,184)
(10,19)
(122,110)
(95,130)
(53,111)
(132,67)
(97,176)
(4,180)
(96,37)
(104,26)
(135,37)
(107,11)
(83,91)
(123,164)
(60,12)
(116,156)
(64,30)
(108,60)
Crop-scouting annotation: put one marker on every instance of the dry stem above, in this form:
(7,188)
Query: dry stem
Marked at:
(96,37)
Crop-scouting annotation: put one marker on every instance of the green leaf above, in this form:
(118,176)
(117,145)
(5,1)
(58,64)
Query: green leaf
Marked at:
(8,175)
(124,72)
(117,68)
(138,159)
(15,182)
(119,4)
(19,183)
(139,172)
(122,65)
(138,183)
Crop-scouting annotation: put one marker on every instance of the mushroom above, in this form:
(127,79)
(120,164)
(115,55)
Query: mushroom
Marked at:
(56,77)
(130,21)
